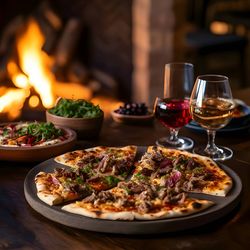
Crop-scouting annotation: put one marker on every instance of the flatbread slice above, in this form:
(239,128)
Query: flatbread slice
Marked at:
(55,189)
(117,204)
(98,169)
(78,158)
(184,170)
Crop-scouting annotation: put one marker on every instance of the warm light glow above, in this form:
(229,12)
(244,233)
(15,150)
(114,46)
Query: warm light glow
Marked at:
(35,63)
(21,81)
(34,101)
(72,91)
(18,78)
(11,102)
(32,72)
(219,28)
(106,104)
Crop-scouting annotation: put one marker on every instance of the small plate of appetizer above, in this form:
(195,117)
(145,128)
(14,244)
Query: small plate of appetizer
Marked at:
(34,141)
(133,113)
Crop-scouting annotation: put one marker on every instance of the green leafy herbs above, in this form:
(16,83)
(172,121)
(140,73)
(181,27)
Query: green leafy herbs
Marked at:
(5,132)
(79,180)
(76,109)
(128,190)
(140,176)
(87,168)
(41,131)
(111,180)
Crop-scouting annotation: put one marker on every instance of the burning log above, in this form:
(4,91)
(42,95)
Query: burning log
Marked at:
(40,77)
(51,25)
(77,72)
(7,44)
(67,44)
(9,34)
(107,83)
(65,48)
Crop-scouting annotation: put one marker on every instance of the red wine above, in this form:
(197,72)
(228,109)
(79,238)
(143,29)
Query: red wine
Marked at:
(173,113)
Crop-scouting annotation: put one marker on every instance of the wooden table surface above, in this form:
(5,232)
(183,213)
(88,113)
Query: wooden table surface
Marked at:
(23,228)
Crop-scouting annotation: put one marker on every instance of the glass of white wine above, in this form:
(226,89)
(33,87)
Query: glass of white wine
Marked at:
(211,106)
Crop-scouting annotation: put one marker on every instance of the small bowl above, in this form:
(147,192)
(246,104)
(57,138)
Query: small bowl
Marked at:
(132,119)
(86,128)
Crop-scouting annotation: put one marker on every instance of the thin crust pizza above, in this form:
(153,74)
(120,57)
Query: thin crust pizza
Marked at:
(180,169)
(118,204)
(79,158)
(97,184)
(60,186)
(104,168)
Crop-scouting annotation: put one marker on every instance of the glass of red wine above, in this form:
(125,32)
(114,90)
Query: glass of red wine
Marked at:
(172,110)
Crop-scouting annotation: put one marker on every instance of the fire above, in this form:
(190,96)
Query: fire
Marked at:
(35,63)
(32,72)
(11,102)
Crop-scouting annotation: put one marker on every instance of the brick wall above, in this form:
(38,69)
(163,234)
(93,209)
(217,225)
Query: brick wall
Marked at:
(153,46)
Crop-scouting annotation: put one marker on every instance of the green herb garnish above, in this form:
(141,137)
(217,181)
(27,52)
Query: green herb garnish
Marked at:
(112,180)
(86,168)
(76,109)
(127,190)
(5,132)
(41,131)
(140,176)
(79,180)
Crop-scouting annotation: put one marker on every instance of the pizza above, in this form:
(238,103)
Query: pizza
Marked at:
(185,171)
(94,170)
(119,204)
(24,134)
(78,158)
(159,186)
(60,186)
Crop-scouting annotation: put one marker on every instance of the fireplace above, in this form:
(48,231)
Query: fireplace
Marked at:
(114,50)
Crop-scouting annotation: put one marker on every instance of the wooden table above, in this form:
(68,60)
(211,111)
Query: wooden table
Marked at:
(23,228)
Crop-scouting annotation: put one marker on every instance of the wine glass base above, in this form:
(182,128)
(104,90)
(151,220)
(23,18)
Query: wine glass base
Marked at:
(223,154)
(182,144)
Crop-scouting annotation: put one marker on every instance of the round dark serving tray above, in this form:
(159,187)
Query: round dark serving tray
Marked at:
(223,205)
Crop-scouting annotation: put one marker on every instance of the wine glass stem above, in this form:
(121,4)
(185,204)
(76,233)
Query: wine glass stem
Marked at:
(211,148)
(173,138)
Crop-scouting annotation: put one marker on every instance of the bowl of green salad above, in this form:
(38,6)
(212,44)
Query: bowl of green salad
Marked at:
(78,114)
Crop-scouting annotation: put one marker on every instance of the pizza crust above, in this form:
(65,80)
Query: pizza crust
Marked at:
(50,199)
(92,212)
(51,196)
(108,212)
(190,206)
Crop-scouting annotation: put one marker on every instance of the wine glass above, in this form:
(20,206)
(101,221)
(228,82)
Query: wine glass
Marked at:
(212,105)
(172,110)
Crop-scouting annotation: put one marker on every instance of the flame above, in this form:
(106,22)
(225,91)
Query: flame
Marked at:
(32,72)
(11,102)
(19,79)
(34,101)
(35,63)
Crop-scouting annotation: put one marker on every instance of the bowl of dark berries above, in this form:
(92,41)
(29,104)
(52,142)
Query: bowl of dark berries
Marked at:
(133,113)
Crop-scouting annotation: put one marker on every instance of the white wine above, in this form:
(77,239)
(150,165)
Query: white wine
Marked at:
(213,113)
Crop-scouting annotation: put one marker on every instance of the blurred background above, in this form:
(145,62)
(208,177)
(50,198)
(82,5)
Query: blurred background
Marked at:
(113,51)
